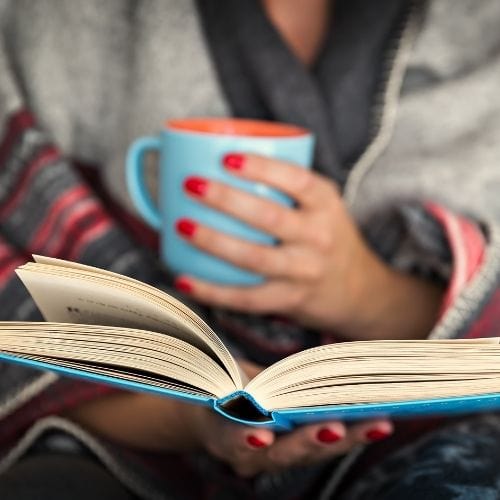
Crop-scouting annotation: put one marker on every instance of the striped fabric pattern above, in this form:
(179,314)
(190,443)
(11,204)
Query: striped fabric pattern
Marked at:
(46,208)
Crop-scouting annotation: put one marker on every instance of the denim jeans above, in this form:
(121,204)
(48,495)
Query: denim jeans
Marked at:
(459,462)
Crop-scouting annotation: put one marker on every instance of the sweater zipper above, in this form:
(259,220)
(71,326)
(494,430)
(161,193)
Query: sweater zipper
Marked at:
(386,111)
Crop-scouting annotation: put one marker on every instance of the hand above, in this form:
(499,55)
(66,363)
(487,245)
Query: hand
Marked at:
(321,273)
(251,450)
(159,424)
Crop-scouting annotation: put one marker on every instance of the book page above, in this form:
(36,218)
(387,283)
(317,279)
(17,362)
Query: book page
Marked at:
(129,354)
(145,355)
(380,371)
(73,293)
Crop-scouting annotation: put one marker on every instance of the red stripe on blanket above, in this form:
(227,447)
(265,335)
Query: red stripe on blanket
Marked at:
(136,228)
(467,245)
(6,251)
(91,234)
(10,258)
(49,226)
(43,157)
(75,228)
(16,125)
(7,267)
(62,396)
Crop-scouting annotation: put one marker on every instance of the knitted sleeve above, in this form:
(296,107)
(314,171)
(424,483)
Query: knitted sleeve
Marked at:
(459,251)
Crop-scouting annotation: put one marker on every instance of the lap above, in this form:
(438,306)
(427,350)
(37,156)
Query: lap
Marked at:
(59,476)
(459,462)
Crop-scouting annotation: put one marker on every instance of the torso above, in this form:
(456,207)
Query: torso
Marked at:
(303,24)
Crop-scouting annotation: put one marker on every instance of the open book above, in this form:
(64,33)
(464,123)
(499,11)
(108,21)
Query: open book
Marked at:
(112,329)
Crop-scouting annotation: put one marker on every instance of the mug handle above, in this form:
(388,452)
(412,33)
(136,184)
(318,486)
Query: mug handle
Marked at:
(135,179)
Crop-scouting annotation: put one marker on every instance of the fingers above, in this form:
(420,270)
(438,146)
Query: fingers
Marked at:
(273,296)
(307,444)
(227,440)
(263,258)
(250,450)
(303,185)
(250,460)
(239,446)
(371,431)
(318,442)
(247,439)
(272,261)
(277,220)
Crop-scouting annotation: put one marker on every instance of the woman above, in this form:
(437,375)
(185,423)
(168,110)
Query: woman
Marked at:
(410,251)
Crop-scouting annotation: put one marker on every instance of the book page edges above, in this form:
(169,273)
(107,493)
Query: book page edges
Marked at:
(126,385)
(159,318)
(286,419)
(453,406)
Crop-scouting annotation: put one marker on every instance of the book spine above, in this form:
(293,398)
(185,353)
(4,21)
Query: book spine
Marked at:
(242,408)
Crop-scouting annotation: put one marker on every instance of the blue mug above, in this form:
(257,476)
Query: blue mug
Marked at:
(195,147)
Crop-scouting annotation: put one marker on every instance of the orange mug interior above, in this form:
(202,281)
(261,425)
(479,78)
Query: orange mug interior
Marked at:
(236,126)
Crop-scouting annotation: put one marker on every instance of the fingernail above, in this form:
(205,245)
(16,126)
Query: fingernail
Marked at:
(233,161)
(376,434)
(185,227)
(183,285)
(328,436)
(255,442)
(196,185)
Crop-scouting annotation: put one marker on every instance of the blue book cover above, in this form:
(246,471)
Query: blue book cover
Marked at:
(242,408)
(110,329)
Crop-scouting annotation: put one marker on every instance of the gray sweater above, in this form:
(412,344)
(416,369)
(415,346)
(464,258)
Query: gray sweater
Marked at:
(98,74)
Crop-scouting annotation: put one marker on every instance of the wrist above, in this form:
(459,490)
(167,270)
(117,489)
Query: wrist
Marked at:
(140,421)
(389,304)
(194,419)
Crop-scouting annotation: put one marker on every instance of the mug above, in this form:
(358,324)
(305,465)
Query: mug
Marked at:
(196,147)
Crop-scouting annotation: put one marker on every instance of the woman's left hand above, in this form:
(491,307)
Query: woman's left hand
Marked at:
(321,273)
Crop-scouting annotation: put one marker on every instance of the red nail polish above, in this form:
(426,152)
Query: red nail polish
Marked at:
(327,436)
(186,227)
(376,434)
(183,285)
(255,442)
(196,185)
(233,161)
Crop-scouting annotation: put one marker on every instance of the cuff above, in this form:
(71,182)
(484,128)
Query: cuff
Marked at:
(467,244)
(460,252)
(471,305)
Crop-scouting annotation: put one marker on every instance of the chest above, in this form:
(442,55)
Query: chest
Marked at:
(303,24)
(98,74)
